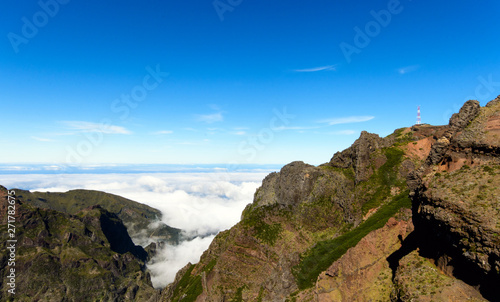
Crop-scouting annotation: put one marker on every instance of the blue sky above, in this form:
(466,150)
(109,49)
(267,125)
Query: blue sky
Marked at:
(209,82)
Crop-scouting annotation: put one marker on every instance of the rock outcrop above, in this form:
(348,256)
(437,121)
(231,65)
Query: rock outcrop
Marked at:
(358,155)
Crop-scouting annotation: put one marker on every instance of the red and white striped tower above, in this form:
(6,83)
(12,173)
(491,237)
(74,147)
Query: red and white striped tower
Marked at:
(419,121)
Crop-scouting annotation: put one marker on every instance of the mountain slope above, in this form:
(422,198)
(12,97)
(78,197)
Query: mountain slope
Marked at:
(59,257)
(136,216)
(297,241)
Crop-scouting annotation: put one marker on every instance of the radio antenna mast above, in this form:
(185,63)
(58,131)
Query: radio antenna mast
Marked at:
(419,121)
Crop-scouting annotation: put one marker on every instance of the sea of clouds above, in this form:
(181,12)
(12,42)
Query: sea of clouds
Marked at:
(200,204)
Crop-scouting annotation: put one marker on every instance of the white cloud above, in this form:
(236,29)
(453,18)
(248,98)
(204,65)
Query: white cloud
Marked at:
(210,118)
(407,69)
(161,132)
(41,139)
(239,133)
(281,128)
(343,132)
(315,69)
(172,258)
(95,127)
(346,120)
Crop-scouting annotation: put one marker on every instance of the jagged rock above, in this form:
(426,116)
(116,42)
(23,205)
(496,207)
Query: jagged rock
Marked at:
(289,187)
(358,155)
(299,183)
(458,122)
(467,113)
(494,102)
(438,151)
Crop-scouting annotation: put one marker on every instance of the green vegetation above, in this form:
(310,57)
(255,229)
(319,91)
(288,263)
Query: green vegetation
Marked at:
(188,288)
(254,218)
(489,170)
(403,139)
(324,253)
(73,201)
(347,172)
(210,266)
(397,132)
(239,294)
(384,178)
(261,293)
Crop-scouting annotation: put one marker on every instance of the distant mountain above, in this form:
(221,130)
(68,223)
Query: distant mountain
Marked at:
(57,256)
(137,217)
(414,216)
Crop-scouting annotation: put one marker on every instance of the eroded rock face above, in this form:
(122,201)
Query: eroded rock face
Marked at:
(455,199)
(358,155)
(467,113)
(299,183)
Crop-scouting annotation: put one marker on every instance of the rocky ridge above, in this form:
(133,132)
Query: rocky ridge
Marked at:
(344,231)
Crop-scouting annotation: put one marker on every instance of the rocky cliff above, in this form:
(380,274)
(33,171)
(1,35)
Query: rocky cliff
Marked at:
(456,199)
(409,217)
